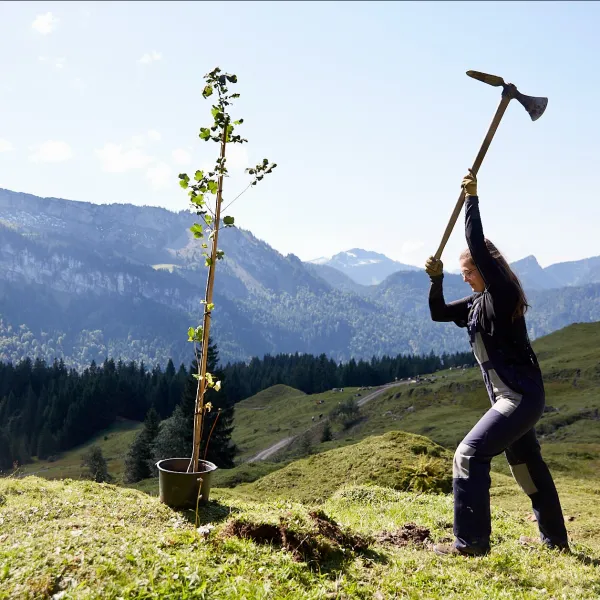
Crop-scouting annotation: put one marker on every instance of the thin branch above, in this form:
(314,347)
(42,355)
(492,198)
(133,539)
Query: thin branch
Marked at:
(242,192)
(210,434)
(209,209)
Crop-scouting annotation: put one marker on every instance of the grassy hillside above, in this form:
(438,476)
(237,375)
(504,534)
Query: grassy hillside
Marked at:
(396,460)
(445,409)
(279,412)
(114,443)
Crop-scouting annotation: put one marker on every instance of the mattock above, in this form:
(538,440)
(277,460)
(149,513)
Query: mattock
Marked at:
(534,106)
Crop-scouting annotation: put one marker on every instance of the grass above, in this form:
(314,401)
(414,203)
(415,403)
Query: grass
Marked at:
(279,412)
(114,443)
(397,460)
(74,540)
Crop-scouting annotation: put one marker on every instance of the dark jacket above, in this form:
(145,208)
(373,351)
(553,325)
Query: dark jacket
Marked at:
(490,312)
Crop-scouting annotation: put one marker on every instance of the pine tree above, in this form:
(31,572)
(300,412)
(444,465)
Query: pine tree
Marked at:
(6,458)
(306,445)
(174,440)
(139,457)
(46,445)
(326,435)
(95,465)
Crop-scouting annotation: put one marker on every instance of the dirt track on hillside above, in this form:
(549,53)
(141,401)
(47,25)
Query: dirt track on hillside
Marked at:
(267,452)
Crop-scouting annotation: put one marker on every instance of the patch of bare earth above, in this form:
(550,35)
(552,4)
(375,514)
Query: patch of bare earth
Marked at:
(316,543)
(409,534)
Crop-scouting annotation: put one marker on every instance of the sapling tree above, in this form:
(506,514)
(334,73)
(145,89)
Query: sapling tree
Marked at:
(201,189)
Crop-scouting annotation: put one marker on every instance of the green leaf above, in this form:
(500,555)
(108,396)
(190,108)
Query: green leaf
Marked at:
(207,91)
(183,180)
(204,133)
(205,245)
(198,200)
(208,262)
(199,175)
(239,122)
(208,219)
(213,187)
(196,229)
(210,306)
(228,221)
(215,111)
(220,254)
(232,78)
(195,335)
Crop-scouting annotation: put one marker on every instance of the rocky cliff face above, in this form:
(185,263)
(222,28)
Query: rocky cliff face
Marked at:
(25,261)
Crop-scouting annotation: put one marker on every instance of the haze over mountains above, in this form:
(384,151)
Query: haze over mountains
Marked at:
(83,281)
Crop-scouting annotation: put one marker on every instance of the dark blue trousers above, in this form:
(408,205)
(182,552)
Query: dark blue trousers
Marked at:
(507,427)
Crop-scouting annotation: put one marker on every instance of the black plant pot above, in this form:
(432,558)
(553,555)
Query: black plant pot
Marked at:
(178,488)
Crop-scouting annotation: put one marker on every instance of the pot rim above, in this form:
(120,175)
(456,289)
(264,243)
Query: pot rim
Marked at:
(211,466)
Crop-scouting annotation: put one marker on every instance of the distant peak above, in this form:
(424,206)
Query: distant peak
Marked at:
(530,260)
(320,261)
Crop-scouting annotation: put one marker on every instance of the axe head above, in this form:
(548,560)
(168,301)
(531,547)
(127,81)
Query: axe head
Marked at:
(533,105)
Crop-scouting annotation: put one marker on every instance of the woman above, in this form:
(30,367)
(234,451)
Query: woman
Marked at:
(494,318)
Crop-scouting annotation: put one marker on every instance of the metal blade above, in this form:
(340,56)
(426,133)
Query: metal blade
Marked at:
(489,79)
(533,105)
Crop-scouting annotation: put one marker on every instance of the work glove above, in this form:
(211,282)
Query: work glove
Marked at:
(434,267)
(469,184)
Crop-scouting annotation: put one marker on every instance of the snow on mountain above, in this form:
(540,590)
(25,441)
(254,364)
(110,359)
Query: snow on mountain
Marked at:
(365,266)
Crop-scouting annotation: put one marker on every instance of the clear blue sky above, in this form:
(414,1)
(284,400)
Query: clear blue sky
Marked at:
(365,107)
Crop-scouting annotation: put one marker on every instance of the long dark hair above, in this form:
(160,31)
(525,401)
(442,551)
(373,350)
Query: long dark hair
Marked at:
(522,304)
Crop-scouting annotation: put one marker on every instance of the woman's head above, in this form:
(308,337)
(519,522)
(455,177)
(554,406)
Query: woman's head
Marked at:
(473,277)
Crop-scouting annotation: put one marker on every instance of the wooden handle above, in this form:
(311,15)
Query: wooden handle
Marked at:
(475,168)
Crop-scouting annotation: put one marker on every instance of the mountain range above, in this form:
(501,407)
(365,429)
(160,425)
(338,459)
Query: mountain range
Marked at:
(81,282)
